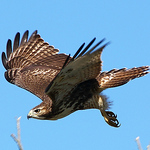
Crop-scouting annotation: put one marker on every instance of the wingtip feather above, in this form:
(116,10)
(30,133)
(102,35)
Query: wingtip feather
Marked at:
(24,37)
(8,48)
(16,41)
(86,48)
(33,35)
(4,60)
(78,51)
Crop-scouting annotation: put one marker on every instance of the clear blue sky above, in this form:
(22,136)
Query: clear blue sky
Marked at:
(66,25)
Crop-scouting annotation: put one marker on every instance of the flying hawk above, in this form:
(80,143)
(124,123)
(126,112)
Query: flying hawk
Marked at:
(65,84)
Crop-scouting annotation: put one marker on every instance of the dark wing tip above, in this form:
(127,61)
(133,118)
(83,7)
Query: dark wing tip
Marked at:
(9,48)
(15,45)
(16,41)
(81,53)
(96,46)
(80,48)
(86,48)
(33,35)
(105,45)
(78,51)
(4,60)
(24,37)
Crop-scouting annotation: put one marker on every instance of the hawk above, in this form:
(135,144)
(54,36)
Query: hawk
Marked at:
(64,84)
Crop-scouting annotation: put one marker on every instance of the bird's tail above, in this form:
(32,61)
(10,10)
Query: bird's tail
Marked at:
(117,77)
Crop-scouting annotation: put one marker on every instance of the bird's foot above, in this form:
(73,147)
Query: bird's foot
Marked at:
(111,118)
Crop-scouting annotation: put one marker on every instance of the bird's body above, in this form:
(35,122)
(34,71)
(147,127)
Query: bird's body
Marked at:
(65,84)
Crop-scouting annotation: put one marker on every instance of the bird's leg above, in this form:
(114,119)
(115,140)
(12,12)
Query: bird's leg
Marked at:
(109,116)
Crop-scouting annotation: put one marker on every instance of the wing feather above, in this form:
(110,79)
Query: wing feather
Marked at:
(24,38)
(9,48)
(33,50)
(84,67)
(16,41)
(32,64)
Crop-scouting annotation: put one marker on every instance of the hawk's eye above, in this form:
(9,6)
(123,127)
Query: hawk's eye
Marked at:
(37,110)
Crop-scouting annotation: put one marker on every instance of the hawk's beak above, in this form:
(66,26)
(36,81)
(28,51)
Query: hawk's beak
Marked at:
(29,115)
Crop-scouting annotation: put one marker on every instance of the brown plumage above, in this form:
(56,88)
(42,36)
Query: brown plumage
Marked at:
(64,84)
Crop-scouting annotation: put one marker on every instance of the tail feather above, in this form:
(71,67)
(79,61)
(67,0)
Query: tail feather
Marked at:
(118,77)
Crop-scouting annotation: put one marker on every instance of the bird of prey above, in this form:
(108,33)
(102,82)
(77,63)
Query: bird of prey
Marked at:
(64,84)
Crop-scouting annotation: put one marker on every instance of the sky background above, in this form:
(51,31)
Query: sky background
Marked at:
(66,25)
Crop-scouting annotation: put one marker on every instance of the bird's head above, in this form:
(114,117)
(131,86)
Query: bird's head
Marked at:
(41,111)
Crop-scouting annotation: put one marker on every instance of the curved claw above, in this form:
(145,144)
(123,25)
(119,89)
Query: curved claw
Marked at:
(111,119)
(111,114)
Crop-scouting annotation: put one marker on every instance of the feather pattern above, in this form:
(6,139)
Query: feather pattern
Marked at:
(118,77)
(86,66)
(32,64)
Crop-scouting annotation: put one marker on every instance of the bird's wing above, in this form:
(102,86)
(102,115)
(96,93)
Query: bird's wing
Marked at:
(117,77)
(83,66)
(31,64)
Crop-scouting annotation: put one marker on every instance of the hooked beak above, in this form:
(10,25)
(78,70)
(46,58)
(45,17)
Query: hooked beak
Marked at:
(29,115)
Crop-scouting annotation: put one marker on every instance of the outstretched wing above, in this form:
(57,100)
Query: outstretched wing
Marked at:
(31,64)
(82,67)
(116,77)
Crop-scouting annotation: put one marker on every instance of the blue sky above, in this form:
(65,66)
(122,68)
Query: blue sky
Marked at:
(66,25)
